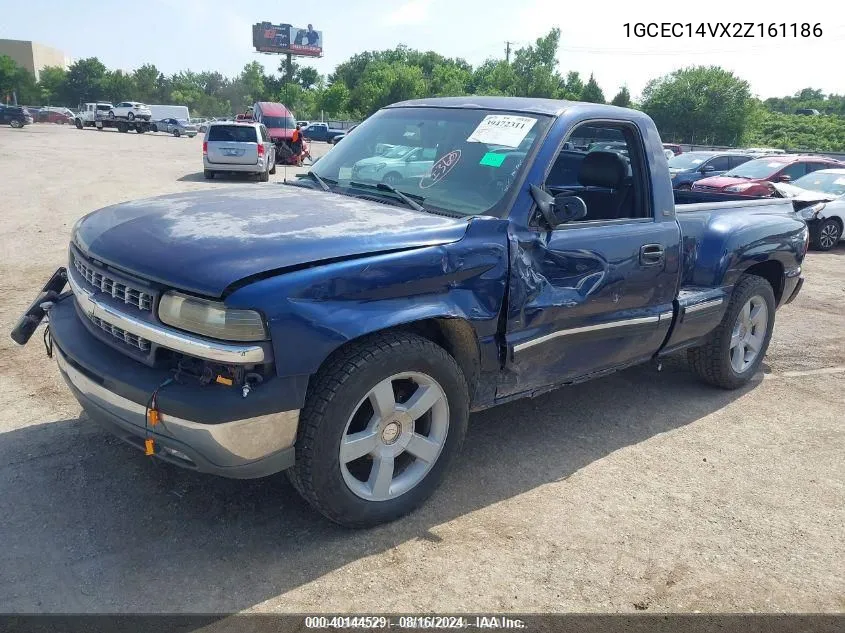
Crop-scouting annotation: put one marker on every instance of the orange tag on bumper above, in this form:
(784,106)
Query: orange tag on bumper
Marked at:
(149,446)
(153,416)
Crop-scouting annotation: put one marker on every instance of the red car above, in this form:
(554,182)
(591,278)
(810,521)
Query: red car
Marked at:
(674,148)
(280,124)
(54,116)
(752,178)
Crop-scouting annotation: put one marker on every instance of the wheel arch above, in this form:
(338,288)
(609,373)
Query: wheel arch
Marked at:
(455,335)
(771,270)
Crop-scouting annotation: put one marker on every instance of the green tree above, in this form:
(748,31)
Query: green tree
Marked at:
(535,67)
(701,104)
(148,84)
(18,80)
(307,77)
(85,80)
(385,83)
(252,81)
(52,84)
(572,87)
(591,92)
(622,98)
(118,86)
(334,100)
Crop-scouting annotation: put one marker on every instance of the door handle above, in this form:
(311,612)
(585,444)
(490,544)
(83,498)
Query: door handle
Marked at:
(651,254)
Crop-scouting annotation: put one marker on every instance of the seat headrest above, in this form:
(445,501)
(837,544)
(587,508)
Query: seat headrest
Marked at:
(602,169)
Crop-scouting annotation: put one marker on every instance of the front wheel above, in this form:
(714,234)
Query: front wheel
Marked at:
(735,350)
(684,187)
(383,421)
(111,114)
(177,133)
(16,124)
(826,234)
(78,124)
(130,116)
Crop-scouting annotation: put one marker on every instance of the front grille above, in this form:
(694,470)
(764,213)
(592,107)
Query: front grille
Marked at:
(122,335)
(705,188)
(118,290)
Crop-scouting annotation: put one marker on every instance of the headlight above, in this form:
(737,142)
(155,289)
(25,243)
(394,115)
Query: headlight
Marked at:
(740,187)
(210,318)
(812,212)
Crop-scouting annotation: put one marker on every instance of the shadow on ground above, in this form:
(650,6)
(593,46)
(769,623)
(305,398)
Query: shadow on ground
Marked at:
(200,177)
(88,524)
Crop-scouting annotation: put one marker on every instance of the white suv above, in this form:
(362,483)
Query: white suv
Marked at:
(131,110)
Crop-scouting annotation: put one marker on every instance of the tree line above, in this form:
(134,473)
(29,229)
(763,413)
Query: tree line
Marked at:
(704,105)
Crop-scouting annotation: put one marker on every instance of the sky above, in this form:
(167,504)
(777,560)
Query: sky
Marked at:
(216,35)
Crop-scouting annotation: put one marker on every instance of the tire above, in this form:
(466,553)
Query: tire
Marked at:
(154,128)
(140,129)
(15,124)
(826,234)
(684,187)
(111,114)
(177,133)
(392,178)
(340,397)
(130,116)
(122,127)
(78,124)
(264,176)
(273,168)
(209,175)
(714,360)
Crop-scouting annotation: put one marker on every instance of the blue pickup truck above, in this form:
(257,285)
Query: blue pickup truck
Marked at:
(342,329)
(321,132)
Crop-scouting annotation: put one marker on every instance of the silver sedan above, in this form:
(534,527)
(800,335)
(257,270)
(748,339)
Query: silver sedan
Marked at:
(176,127)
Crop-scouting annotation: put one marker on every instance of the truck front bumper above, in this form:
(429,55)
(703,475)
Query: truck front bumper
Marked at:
(210,429)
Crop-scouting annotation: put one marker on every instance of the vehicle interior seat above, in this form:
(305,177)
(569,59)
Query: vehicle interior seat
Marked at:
(606,187)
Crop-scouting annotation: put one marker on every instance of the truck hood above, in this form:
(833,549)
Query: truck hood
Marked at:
(280,132)
(203,242)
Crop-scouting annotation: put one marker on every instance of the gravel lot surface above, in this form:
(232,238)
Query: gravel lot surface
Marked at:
(642,491)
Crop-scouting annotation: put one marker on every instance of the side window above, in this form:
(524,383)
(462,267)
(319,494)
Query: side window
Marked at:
(606,168)
(720,163)
(736,161)
(811,167)
(264,136)
(795,170)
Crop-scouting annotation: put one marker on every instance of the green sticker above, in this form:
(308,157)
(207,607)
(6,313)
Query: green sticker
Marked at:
(491,159)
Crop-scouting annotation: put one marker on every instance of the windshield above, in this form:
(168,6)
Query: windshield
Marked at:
(759,168)
(462,161)
(399,151)
(279,122)
(828,183)
(689,160)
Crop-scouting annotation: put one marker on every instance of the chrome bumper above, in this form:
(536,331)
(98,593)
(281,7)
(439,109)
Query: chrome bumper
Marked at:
(220,351)
(248,448)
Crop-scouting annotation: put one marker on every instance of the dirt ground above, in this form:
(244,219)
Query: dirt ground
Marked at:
(642,491)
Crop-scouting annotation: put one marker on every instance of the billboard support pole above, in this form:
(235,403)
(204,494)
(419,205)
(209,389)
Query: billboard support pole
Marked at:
(289,67)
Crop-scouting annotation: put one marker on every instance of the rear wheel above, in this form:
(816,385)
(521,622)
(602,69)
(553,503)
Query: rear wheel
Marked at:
(111,114)
(78,124)
(684,187)
(381,425)
(273,167)
(209,175)
(826,234)
(154,128)
(130,116)
(735,350)
(16,124)
(177,133)
(264,176)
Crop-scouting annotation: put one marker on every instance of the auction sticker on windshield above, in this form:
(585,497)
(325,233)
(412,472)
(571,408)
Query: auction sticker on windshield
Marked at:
(506,130)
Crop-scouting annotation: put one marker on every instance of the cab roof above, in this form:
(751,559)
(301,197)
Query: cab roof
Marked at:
(271,108)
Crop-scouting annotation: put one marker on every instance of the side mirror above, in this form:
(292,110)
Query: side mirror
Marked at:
(707,168)
(784,178)
(558,209)
(569,208)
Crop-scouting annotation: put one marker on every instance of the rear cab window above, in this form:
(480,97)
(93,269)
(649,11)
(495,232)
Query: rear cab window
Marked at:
(232,134)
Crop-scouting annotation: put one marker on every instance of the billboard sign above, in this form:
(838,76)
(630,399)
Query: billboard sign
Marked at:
(284,38)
